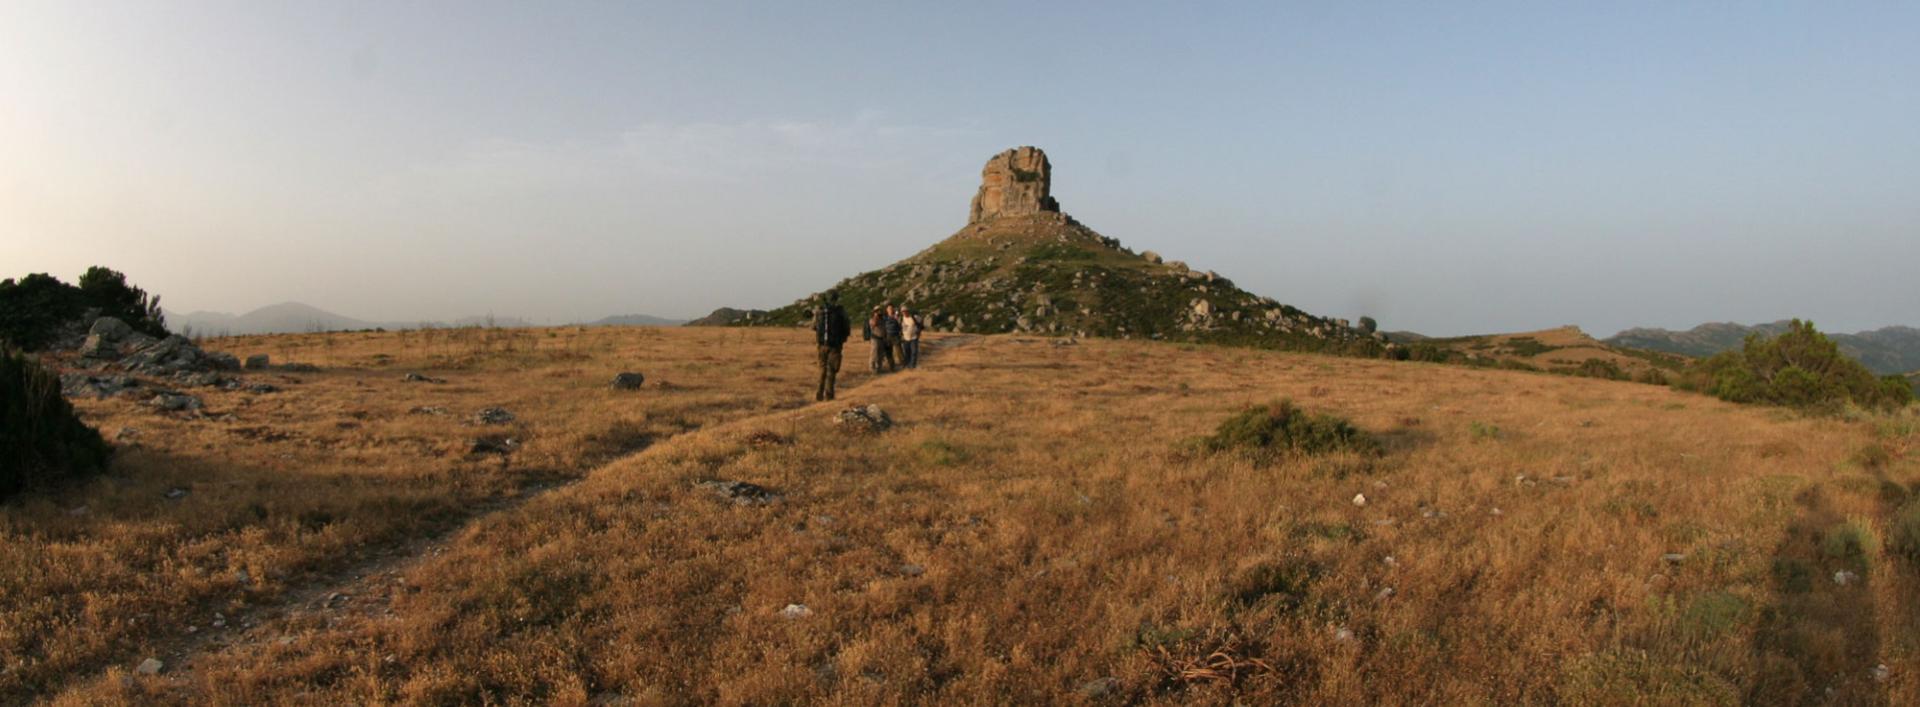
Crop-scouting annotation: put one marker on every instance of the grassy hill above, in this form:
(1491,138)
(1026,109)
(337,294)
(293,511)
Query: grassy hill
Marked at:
(1048,274)
(1566,350)
(1886,351)
(1038,527)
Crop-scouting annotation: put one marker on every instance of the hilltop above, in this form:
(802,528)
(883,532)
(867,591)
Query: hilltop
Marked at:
(1565,350)
(1022,265)
(1888,350)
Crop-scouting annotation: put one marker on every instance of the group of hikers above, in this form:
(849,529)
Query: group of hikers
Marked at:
(894,332)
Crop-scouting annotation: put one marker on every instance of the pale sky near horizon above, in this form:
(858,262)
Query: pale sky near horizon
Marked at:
(1447,168)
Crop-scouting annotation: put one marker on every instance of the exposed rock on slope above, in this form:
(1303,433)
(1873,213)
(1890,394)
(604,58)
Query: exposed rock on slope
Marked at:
(1021,265)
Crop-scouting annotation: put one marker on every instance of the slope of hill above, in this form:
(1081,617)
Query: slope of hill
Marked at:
(283,318)
(1889,350)
(1564,350)
(1033,529)
(1020,265)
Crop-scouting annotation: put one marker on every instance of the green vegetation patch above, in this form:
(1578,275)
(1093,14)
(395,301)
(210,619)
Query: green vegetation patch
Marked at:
(1853,543)
(1801,368)
(35,308)
(42,442)
(1283,428)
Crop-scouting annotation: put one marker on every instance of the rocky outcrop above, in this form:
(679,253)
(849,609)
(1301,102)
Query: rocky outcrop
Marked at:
(1018,182)
(1022,266)
(728,316)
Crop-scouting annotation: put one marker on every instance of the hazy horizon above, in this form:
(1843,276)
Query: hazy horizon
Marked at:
(1447,170)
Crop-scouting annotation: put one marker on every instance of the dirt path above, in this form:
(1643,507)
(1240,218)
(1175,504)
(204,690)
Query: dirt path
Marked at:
(366,588)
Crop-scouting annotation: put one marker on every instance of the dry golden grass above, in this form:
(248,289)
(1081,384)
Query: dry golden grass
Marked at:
(1034,530)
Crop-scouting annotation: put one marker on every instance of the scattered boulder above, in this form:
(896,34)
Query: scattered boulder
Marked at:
(628,381)
(796,611)
(77,384)
(258,362)
(1844,578)
(175,402)
(493,444)
(1359,499)
(864,419)
(150,666)
(420,378)
(223,361)
(110,328)
(176,493)
(204,379)
(741,493)
(1152,257)
(427,410)
(165,357)
(493,416)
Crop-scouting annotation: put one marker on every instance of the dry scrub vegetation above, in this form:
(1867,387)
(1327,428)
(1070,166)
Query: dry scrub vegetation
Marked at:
(1038,527)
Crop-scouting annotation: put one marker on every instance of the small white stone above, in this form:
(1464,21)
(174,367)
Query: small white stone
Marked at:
(796,611)
(1359,499)
(1342,634)
(150,666)
(1384,594)
(1881,672)
(1844,578)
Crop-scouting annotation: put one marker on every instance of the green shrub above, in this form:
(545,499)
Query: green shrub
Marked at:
(1801,368)
(33,309)
(1853,543)
(1282,427)
(41,441)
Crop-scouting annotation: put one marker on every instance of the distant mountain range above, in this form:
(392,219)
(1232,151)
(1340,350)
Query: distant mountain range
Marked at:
(298,318)
(1894,349)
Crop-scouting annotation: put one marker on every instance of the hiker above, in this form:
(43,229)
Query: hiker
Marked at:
(830,331)
(910,326)
(876,332)
(897,355)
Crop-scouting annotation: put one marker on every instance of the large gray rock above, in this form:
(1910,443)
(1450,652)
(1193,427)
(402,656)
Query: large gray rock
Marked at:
(258,362)
(865,419)
(628,381)
(110,328)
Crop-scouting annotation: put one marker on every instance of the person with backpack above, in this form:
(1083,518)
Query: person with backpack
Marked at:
(910,326)
(830,332)
(876,332)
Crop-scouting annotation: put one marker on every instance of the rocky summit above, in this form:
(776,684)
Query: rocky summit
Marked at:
(1021,265)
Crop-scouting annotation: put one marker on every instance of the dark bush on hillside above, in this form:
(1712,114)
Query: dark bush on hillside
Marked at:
(1282,428)
(34,309)
(41,441)
(1800,368)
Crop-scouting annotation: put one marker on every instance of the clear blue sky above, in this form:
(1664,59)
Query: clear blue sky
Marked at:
(1444,167)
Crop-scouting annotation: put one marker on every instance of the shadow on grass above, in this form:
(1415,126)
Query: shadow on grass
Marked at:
(1819,640)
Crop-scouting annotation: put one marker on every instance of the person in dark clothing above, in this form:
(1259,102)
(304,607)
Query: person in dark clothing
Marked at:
(897,358)
(830,332)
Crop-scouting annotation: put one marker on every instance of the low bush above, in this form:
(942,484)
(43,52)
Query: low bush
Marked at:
(1853,543)
(1801,368)
(1282,427)
(42,442)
